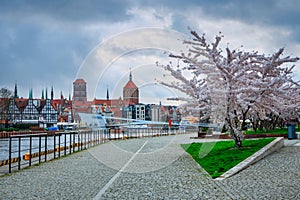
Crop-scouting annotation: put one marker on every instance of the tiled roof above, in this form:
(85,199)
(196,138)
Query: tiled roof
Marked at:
(110,102)
(130,85)
(21,103)
(79,81)
(101,102)
(56,102)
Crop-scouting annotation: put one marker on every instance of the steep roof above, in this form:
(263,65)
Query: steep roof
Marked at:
(130,85)
(21,103)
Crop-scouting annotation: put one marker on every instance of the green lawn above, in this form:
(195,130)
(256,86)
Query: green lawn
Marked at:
(218,157)
(275,131)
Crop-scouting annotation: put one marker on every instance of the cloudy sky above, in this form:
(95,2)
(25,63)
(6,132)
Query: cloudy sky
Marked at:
(45,43)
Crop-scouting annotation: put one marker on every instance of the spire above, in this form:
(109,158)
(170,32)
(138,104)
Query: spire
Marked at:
(46,93)
(16,91)
(107,94)
(52,93)
(69,97)
(43,97)
(130,75)
(30,94)
(61,95)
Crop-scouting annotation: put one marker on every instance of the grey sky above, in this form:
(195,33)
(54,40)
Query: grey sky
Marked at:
(44,43)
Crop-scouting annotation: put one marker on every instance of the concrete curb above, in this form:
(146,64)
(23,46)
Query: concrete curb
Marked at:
(268,149)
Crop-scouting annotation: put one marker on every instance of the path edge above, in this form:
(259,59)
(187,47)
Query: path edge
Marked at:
(262,153)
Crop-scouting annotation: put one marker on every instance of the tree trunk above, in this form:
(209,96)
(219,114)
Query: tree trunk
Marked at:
(238,141)
(236,136)
(6,123)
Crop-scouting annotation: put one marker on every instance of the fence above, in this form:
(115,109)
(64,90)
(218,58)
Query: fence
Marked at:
(138,132)
(28,149)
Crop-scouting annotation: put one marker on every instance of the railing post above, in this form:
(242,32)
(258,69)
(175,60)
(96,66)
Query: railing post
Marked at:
(70,139)
(19,155)
(73,141)
(89,142)
(59,145)
(101,133)
(90,138)
(40,144)
(104,134)
(65,148)
(84,139)
(9,156)
(54,145)
(97,136)
(30,149)
(87,139)
(80,139)
(46,149)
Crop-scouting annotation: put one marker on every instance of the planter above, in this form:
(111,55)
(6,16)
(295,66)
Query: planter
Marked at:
(201,134)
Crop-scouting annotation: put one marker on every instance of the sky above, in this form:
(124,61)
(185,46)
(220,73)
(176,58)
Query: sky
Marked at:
(52,43)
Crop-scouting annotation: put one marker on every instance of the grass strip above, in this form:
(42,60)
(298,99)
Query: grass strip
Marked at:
(218,157)
(275,131)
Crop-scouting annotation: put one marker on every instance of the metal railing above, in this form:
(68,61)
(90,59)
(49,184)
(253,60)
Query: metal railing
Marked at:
(27,149)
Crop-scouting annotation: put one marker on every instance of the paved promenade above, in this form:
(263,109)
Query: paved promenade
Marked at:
(152,168)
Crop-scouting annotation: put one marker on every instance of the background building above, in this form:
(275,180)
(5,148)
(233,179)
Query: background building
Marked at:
(47,112)
(130,92)
(79,91)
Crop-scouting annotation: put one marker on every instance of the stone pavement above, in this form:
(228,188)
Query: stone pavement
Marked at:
(152,168)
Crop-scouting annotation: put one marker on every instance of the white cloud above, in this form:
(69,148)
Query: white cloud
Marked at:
(104,56)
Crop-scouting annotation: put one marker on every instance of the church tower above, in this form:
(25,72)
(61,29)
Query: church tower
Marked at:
(79,90)
(130,92)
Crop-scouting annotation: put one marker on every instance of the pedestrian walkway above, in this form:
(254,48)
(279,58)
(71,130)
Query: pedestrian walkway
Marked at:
(292,142)
(151,168)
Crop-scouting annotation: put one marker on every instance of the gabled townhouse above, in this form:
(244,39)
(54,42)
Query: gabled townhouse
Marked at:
(32,111)
(48,115)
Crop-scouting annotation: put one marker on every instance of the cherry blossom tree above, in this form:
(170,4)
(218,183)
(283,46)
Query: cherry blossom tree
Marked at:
(232,85)
(198,99)
(5,96)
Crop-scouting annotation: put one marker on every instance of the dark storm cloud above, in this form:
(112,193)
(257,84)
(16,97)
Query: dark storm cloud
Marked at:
(41,39)
(281,13)
(44,42)
(68,10)
(266,11)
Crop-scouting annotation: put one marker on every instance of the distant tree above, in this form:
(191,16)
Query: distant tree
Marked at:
(236,83)
(5,96)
